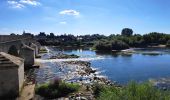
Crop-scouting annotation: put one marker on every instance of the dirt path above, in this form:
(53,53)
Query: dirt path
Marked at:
(27,92)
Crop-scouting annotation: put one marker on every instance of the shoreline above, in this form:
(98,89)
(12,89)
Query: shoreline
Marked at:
(82,72)
(128,51)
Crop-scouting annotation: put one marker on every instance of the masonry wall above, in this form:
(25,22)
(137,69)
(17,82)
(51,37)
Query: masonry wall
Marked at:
(9,82)
(28,56)
(21,77)
(5,38)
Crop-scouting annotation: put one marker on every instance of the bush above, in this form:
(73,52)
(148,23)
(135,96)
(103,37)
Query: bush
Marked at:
(103,46)
(56,89)
(119,45)
(132,91)
(168,43)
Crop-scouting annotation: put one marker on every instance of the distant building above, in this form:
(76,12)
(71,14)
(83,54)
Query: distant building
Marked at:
(27,34)
(11,75)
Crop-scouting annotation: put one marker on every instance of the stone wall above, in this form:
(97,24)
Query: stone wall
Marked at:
(28,55)
(21,77)
(5,38)
(9,82)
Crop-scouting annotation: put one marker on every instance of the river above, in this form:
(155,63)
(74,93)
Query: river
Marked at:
(140,66)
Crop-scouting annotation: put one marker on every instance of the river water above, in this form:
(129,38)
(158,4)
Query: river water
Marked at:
(140,66)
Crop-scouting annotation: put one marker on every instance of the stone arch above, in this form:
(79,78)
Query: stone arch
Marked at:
(13,50)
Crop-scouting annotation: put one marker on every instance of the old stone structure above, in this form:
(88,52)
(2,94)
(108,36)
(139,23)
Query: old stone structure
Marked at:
(11,75)
(17,44)
(28,54)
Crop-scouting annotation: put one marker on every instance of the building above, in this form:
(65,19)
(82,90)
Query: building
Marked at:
(11,75)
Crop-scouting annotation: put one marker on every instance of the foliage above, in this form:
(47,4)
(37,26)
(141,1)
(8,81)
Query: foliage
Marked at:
(126,36)
(155,37)
(119,45)
(132,91)
(168,43)
(127,32)
(56,89)
(42,50)
(105,45)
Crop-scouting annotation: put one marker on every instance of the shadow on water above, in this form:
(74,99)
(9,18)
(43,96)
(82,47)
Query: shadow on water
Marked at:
(112,54)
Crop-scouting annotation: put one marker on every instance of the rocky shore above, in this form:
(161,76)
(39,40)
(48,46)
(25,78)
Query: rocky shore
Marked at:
(71,71)
(63,56)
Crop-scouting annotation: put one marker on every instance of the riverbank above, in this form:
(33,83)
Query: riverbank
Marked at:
(72,70)
(76,70)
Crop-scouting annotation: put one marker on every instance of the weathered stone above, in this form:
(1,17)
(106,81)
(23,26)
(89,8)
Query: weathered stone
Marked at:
(11,75)
(27,53)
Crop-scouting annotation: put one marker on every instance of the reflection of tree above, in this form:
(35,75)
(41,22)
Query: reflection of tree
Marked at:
(126,55)
(102,53)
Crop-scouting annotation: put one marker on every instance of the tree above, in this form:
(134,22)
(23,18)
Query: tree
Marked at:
(127,32)
(12,34)
(168,43)
(42,34)
(52,35)
(119,45)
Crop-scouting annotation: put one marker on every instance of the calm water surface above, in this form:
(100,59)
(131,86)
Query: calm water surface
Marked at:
(123,68)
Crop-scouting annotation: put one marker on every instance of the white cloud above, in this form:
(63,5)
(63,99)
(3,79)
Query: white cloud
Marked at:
(70,12)
(15,4)
(30,2)
(22,3)
(63,22)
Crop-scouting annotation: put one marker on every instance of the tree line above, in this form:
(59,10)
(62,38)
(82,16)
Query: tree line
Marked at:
(125,40)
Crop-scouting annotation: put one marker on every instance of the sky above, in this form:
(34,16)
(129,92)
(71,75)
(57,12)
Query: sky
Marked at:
(81,17)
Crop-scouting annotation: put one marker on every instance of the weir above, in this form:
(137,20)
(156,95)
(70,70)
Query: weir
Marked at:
(67,60)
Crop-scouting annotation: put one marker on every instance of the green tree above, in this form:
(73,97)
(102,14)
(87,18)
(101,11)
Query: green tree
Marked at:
(127,32)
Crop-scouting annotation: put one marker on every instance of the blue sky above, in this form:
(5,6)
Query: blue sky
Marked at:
(84,16)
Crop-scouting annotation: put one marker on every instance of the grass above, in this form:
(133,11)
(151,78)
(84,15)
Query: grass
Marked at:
(56,89)
(132,91)
(42,50)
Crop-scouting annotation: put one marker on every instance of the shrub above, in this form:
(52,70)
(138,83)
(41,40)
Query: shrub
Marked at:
(119,45)
(132,91)
(56,89)
(168,43)
(103,46)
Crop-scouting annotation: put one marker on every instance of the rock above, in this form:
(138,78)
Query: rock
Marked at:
(83,98)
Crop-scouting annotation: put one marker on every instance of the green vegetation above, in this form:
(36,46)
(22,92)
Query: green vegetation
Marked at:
(127,39)
(64,56)
(56,89)
(68,40)
(133,91)
(168,43)
(106,43)
(42,50)
(127,32)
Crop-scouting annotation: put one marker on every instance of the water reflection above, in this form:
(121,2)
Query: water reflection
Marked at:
(144,64)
